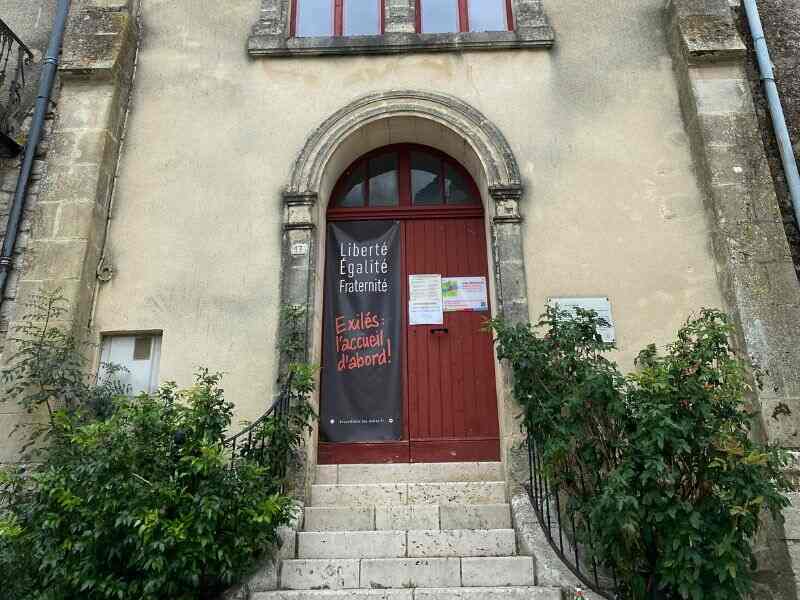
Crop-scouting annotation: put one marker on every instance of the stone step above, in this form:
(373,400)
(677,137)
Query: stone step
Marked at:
(497,571)
(462,542)
(410,472)
(410,572)
(328,574)
(364,495)
(380,573)
(475,516)
(351,544)
(400,544)
(462,593)
(407,516)
(486,593)
(334,595)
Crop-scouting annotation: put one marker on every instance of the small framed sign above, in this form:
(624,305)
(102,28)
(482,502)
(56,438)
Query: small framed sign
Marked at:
(600,305)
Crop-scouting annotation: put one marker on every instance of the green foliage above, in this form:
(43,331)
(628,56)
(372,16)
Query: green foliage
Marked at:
(292,344)
(659,468)
(141,505)
(49,367)
(136,497)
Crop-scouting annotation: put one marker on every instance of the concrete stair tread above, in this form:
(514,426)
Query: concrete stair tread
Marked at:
(461,593)
(407,516)
(372,494)
(372,573)
(414,543)
(409,472)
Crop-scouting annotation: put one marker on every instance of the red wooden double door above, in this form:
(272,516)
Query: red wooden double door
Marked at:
(450,410)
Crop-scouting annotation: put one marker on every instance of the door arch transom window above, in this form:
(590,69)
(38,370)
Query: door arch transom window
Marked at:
(399,178)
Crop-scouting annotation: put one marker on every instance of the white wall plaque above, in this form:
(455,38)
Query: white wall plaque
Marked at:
(602,306)
(299,249)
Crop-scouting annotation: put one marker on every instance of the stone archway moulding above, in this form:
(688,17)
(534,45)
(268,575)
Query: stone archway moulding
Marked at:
(301,242)
(486,140)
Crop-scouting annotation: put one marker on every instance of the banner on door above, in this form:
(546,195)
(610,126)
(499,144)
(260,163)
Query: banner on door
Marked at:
(362,374)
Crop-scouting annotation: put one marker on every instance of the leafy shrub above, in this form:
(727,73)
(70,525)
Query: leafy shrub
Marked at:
(659,468)
(49,367)
(139,500)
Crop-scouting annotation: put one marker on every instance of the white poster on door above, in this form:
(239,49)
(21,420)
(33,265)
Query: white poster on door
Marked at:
(425,300)
(464,293)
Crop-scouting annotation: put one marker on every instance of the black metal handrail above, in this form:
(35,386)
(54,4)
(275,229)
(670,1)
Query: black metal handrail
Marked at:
(254,442)
(16,55)
(563,537)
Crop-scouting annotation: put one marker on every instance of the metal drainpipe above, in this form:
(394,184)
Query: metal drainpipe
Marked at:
(775,108)
(34,137)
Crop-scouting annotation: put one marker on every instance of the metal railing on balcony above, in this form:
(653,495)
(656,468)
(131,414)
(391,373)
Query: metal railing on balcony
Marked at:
(16,60)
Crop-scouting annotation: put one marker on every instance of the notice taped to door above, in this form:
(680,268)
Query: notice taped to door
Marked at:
(464,293)
(362,395)
(425,300)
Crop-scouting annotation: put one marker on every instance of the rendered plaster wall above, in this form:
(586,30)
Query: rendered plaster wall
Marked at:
(611,203)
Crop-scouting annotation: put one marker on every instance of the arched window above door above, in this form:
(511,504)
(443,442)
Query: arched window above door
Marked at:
(406,177)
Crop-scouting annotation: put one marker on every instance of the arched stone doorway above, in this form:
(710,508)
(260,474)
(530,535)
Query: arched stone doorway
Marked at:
(435,120)
(405,378)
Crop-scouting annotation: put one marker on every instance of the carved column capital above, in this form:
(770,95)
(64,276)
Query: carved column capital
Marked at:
(506,203)
(299,210)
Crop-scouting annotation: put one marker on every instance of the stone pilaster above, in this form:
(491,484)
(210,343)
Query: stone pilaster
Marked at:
(298,253)
(509,260)
(754,265)
(69,221)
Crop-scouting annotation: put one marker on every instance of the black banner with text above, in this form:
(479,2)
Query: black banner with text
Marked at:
(362,395)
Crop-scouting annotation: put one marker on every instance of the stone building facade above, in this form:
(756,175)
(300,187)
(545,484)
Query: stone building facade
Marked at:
(616,153)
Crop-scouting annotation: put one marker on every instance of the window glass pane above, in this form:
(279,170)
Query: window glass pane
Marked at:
(140,373)
(456,186)
(487,15)
(383,180)
(439,16)
(362,17)
(426,178)
(352,191)
(314,17)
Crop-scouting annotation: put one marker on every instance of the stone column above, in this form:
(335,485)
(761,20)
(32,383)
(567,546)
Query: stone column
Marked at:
(298,262)
(507,248)
(298,255)
(512,305)
(754,265)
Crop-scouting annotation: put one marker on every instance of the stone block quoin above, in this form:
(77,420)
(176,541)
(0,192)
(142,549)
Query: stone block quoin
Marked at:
(67,235)
(753,262)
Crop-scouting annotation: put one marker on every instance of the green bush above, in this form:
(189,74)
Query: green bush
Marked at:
(138,500)
(659,468)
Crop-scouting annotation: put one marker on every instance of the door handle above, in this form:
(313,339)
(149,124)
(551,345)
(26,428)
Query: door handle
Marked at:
(439,330)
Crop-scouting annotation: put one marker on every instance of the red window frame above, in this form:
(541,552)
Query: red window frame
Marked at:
(338,16)
(463,16)
(405,208)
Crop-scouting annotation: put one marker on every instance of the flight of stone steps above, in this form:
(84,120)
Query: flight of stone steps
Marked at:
(424,531)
